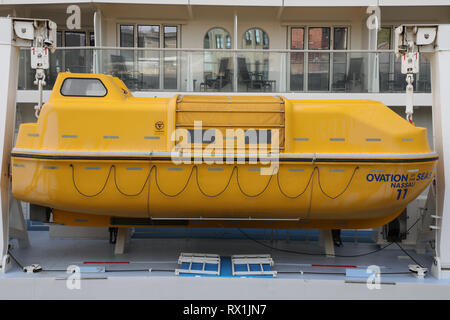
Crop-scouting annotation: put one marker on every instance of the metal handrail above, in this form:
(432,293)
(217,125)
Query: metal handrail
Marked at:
(225,50)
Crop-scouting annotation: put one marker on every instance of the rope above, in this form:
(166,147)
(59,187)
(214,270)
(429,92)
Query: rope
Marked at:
(150,168)
(308,213)
(217,194)
(253,195)
(301,193)
(343,191)
(178,193)
(195,167)
(135,194)
(89,195)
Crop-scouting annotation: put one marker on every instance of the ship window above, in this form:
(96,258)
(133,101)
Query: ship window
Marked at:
(83,87)
(255,38)
(217,38)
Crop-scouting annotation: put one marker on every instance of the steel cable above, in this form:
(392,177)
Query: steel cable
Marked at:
(324,254)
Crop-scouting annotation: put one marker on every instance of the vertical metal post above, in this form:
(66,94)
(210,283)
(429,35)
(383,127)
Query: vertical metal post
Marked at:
(98,41)
(326,240)
(235,47)
(9,55)
(123,237)
(306,61)
(440,81)
(283,72)
(189,84)
(373,84)
(14,33)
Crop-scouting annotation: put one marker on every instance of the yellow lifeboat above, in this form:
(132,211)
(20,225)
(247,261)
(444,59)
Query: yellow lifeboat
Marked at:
(99,156)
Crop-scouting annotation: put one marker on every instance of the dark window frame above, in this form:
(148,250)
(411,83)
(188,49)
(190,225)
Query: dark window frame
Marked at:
(84,96)
(62,32)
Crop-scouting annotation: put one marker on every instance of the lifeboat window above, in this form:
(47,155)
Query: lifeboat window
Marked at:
(83,87)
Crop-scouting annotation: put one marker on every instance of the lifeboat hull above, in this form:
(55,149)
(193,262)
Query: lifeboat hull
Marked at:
(343,195)
(109,161)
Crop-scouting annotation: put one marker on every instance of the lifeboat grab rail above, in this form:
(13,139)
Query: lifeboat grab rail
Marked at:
(195,167)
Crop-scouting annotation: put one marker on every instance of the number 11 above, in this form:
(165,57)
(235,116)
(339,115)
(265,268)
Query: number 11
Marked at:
(399,195)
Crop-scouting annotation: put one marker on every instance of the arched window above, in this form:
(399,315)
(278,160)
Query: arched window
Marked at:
(217,38)
(253,67)
(255,38)
(217,64)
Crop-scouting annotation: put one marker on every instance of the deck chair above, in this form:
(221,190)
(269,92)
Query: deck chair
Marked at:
(250,79)
(222,79)
(253,80)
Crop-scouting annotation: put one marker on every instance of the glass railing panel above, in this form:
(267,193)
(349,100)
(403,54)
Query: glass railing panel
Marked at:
(208,71)
(351,72)
(393,81)
(330,71)
(25,72)
(423,78)
(170,64)
(339,72)
(147,70)
(260,71)
(67,60)
(138,69)
(318,71)
(234,70)
(296,69)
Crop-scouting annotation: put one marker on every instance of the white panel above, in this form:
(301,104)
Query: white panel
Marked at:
(184,2)
(414,3)
(9,56)
(330,3)
(440,81)
(269,3)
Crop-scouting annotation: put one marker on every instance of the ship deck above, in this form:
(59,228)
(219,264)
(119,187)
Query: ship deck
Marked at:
(299,276)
